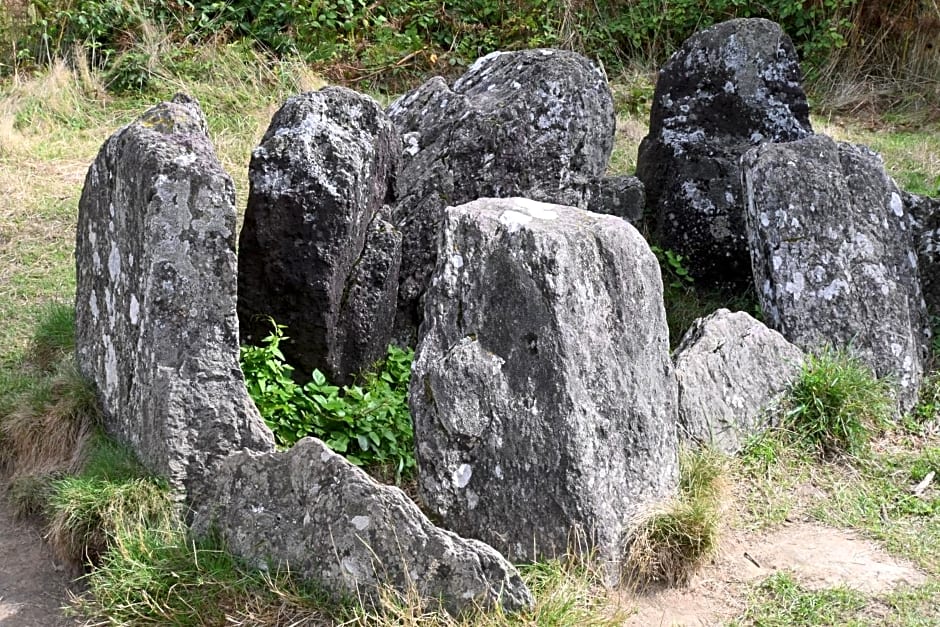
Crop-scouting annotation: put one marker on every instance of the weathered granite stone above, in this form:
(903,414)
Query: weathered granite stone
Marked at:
(542,391)
(534,123)
(925,214)
(319,179)
(621,196)
(731,370)
(312,511)
(156,329)
(728,88)
(834,258)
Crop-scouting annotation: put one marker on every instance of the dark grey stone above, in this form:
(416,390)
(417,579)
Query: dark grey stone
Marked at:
(621,196)
(324,170)
(728,88)
(834,259)
(156,329)
(534,123)
(925,213)
(312,511)
(731,371)
(542,391)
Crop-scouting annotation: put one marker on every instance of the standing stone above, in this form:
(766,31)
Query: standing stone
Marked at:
(534,123)
(728,88)
(315,253)
(621,196)
(312,511)
(542,391)
(925,214)
(156,329)
(731,369)
(834,255)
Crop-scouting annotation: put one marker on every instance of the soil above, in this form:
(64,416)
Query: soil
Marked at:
(816,556)
(34,585)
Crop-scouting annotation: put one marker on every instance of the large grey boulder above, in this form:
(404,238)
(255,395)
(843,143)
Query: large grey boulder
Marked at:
(156,329)
(925,215)
(728,88)
(731,371)
(621,196)
(834,255)
(534,123)
(315,252)
(312,511)
(542,391)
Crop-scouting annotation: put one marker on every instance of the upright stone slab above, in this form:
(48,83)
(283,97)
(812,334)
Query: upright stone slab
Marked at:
(621,196)
(925,215)
(156,329)
(534,123)
(315,252)
(542,391)
(312,511)
(731,370)
(834,255)
(728,88)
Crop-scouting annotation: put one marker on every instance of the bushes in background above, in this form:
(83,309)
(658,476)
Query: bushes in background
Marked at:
(395,42)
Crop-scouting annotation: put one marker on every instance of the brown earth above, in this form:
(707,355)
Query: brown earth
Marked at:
(816,556)
(34,585)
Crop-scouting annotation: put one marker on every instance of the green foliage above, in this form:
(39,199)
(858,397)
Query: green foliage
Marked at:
(836,403)
(779,601)
(368,422)
(54,337)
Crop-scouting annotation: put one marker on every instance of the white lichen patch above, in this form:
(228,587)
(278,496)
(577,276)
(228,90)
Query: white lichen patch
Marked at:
(896,205)
(461,476)
(361,522)
(514,220)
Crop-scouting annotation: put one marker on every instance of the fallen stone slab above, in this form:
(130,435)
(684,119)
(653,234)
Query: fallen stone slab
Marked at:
(156,328)
(834,256)
(312,511)
(731,370)
(542,391)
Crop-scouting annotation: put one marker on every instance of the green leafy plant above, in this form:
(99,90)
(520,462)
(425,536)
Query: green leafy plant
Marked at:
(836,403)
(367,422)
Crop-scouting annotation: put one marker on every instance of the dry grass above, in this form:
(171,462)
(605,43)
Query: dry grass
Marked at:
(671,543)
(48,432)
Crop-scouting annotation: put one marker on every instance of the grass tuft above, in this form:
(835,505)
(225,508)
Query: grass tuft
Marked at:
(779,601)
(836,404)
(54,338)
(670,544)
(47,430)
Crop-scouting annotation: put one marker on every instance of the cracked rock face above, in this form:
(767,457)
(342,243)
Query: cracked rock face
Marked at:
(721,401)
(728,88)
(311,510)
(315,252)
(834,255)
(542,392)
(533,123)
(156,329)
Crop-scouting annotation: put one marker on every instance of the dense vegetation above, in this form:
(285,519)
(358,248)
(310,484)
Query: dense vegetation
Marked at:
(391,43)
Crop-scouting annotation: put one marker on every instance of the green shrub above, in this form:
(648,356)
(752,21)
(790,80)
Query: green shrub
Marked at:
(836,403)
(368,422)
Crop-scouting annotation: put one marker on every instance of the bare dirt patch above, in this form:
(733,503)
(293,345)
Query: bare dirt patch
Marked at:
(817,556)
(34,585)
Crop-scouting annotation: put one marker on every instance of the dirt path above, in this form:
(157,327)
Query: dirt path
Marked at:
(33,584)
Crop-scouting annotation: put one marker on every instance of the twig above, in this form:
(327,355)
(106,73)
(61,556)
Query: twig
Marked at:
(920,487)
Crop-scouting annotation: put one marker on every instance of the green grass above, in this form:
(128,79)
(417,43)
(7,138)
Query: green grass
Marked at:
(779,601)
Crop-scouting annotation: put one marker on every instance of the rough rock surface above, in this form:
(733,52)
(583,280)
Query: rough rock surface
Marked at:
(315,253)
(534,123)
(311,510)
(621,196)
(925,214)
(834,258)
(156,328)
(727,89)
(542,391)
(731,369)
